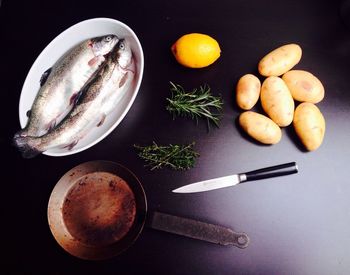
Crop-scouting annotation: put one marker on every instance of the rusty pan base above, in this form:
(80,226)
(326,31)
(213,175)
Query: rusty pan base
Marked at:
(97,210)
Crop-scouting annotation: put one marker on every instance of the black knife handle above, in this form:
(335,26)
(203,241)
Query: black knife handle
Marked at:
(197,230)
(269,172)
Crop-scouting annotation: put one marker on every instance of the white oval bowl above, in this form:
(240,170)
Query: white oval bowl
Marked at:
(59,46)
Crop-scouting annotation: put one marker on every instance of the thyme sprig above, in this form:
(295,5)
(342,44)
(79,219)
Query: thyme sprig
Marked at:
(199,103)
(178,157)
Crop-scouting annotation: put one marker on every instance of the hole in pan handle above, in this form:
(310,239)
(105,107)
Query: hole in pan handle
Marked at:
(197,230)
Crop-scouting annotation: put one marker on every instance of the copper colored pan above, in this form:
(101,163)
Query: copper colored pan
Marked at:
(98,209)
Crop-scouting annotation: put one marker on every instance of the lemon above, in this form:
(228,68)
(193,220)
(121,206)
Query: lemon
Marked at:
(196,50)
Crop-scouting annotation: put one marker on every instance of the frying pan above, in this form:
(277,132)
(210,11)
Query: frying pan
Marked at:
(99,208)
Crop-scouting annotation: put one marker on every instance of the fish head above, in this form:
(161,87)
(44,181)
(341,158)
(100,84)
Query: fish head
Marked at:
(124,53)
(104,44)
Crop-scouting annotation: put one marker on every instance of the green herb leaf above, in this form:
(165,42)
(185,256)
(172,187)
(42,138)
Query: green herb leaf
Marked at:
(198,103)
(178,157)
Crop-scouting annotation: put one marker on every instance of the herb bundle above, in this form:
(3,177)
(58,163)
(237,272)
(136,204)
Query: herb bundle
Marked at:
(178,157)
(199,103)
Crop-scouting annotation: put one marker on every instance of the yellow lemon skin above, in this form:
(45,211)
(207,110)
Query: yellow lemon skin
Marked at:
(196,50)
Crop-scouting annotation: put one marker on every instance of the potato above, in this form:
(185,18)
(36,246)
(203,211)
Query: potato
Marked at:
(304,86)
(280,60)
(260,127)
(309,125)
(247,91)
(277,101)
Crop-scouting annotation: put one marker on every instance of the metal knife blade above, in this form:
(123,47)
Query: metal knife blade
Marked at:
(268,172)
(208,185)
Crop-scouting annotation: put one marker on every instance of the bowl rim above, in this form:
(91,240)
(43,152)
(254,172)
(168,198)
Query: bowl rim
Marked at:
(51,45)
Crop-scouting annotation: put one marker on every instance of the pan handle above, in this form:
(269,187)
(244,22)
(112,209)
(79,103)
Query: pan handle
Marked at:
(197,230)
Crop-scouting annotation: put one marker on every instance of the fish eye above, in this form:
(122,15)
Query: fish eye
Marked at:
(108,38)
(121,46)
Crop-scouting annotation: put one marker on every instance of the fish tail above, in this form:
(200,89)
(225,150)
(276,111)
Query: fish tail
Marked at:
(26,145)
(21,133)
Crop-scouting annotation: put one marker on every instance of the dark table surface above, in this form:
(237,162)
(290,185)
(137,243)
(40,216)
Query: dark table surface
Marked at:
(297,224)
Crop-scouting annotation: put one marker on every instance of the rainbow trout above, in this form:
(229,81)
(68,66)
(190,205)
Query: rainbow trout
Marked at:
(60,85)
(99,97)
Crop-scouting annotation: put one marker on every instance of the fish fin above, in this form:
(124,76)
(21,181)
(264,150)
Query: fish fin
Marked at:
(44,76)
(20,133)
(51,125)
(28,113)
(93,61)
(71,145)
(26,146)
(102,120)
(123,80)
(75,98)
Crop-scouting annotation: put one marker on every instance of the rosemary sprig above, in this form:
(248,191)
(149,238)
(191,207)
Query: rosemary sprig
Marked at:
(178,157)
(198,103)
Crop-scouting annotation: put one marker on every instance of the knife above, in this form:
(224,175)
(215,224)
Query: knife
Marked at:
(264,173)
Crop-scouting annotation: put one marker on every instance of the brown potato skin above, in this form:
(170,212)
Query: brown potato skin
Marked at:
(280,60)
(310,125)
(304,86)
(277,101)
(248,91)
(260,127)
